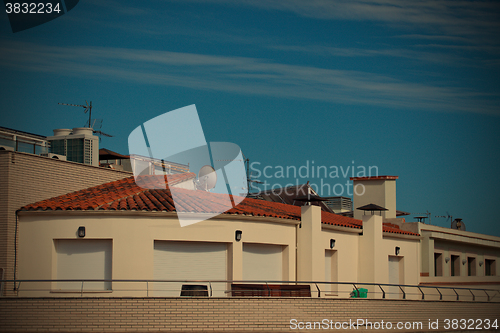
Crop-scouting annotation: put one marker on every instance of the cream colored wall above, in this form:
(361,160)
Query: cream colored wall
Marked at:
(375,247)
(313,242)
(464,244)
(310,252)
(390,199)
(360,258)
(133,237)
(379,192)
(346,247)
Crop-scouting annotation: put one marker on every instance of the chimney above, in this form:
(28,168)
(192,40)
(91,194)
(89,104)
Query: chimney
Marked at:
(379,190)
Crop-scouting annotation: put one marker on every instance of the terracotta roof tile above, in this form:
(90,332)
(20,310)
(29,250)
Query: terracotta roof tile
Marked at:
(375,178)
(394,229)
(125,194)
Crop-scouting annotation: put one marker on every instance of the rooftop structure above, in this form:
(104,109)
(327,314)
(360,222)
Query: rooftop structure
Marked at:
(290,195)
(14,140)
(339,204)
(78,145)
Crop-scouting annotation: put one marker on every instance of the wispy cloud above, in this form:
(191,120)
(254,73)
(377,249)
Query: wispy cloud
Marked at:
(450,16)
(415,52)
(245,76)
(432,30)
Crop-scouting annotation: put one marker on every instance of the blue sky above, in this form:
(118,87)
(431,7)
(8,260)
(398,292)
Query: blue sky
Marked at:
(411,87)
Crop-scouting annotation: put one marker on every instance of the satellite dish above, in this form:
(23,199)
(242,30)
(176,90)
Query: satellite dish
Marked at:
(458,224)
(207,178)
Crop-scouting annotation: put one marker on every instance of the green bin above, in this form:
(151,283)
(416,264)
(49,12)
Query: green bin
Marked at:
(360,293)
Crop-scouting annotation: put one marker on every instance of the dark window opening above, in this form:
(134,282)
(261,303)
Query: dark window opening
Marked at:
(471,266)
(490,267)
(455,265)
(438,264)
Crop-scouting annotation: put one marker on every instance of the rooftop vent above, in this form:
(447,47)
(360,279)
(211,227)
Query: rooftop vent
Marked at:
(62,132)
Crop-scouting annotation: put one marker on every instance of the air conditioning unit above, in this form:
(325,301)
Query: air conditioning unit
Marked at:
(7,148)
(55,156)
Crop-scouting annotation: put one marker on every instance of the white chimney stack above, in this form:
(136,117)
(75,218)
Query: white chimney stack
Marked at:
(379,190)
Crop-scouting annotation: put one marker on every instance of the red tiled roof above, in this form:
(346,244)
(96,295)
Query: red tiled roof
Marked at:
(125,194)
(375,178)
(394,229)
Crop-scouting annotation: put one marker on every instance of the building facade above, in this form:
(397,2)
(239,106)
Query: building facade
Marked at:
(119,231)
(129,238)
(448,257)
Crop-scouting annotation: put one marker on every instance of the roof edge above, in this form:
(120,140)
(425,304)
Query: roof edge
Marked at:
(375,178)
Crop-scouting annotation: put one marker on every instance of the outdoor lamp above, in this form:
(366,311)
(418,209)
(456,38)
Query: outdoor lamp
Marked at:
(446,259)
(237,235)
(481,263)
(332,243)
(464,261)
(398,249)
(81,231)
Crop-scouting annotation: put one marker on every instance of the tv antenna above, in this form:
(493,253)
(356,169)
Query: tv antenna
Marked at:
(249,174)
(87,107)
(96,126)
(422,216)
(447,216)
(98,122)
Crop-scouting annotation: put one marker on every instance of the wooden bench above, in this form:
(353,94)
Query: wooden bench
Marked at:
(270,290)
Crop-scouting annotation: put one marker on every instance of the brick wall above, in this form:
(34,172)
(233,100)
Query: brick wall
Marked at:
(222,314)
(27,178)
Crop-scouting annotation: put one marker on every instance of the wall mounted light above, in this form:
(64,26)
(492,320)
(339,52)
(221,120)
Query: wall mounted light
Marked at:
(481,263)
(332,243)
(464,261)
(398,249)
(237,235)
(81,232)
(446,259)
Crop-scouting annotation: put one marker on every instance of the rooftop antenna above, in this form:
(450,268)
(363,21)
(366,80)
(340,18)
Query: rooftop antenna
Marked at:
(447,216)
(422,216)
(88,108)
(249,174)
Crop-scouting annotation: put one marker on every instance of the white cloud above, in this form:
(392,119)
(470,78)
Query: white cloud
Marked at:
(454,17)
(243,75)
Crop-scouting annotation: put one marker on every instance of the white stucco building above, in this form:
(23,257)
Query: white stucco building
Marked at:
(447,257)
(120,231)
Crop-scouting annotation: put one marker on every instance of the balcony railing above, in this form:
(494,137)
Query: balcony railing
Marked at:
(244,288)
(25,146)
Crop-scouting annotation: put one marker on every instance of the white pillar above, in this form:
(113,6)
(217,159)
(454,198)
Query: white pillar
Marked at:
(310,251)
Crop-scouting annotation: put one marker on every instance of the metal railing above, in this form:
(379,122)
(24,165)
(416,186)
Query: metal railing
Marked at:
(223,288)
(24,146)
